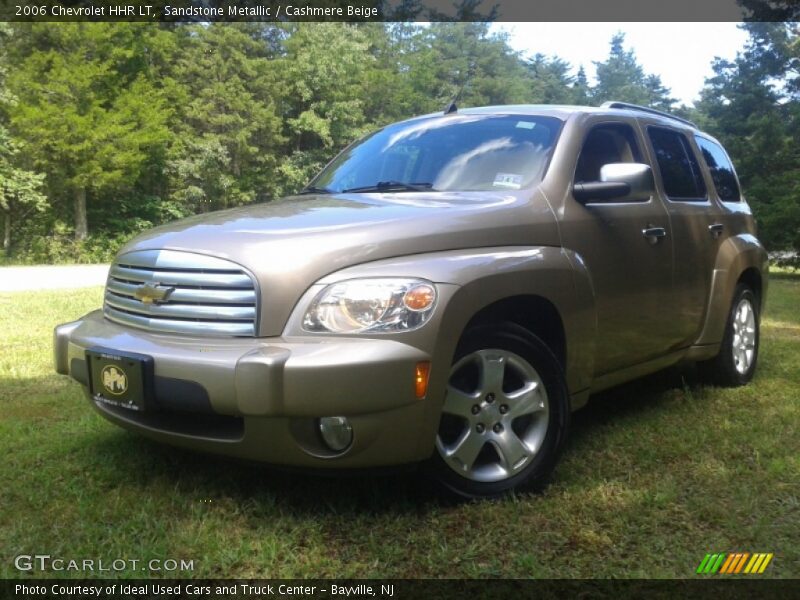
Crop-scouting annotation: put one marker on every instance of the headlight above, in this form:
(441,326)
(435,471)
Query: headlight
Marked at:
(360,305)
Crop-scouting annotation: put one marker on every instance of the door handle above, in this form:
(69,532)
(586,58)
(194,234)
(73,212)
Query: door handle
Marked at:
(716,229)
(653,234)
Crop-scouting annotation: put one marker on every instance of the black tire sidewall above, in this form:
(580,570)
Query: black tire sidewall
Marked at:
(516,339)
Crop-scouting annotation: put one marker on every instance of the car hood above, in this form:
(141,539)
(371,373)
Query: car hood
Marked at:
(291,243)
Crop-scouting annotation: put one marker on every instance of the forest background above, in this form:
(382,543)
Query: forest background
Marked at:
(107,129)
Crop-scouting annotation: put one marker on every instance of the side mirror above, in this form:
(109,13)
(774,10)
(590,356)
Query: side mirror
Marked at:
(637,175)
(631,181)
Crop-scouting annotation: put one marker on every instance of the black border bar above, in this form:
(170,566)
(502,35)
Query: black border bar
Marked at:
(720,588)
(399,10)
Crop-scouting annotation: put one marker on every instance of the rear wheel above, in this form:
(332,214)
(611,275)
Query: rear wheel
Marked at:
(505,415)
(736,362)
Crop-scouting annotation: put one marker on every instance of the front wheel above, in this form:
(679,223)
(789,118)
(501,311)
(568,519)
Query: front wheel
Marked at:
(505,414)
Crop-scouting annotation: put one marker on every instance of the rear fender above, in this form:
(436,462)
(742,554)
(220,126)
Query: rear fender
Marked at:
(736,254)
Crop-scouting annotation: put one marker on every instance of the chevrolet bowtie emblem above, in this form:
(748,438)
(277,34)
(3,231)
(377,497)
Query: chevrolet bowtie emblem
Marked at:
(153,293)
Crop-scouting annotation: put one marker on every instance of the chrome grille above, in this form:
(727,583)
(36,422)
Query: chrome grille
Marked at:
(204,295)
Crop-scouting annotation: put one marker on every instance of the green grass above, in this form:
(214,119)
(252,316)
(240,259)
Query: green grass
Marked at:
(656,474)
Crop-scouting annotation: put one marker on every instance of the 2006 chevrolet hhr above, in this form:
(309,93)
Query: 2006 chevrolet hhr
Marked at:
(447,290)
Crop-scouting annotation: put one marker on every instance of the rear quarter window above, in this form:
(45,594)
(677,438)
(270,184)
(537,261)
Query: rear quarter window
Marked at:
(722,172)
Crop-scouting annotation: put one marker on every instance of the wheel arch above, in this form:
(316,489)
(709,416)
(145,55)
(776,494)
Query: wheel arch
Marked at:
(752,277)
(547,291)
(741,259)
(536,314)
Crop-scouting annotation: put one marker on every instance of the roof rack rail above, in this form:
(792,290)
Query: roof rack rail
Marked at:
(653,111)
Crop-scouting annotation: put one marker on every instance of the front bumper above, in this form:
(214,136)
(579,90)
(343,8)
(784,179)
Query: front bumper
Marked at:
(259,398)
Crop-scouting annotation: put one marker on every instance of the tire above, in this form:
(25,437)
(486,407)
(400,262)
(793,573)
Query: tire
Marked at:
(505,416)
(736,362)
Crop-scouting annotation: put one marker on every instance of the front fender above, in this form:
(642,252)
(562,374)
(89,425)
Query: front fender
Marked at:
(483,276)
(473,279)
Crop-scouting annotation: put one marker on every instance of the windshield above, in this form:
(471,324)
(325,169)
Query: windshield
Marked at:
(453,152)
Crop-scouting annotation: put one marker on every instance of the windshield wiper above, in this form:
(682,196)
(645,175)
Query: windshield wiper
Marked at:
(314,190)
(387,186)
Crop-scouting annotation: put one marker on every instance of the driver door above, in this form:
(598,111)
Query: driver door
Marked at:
(631,271)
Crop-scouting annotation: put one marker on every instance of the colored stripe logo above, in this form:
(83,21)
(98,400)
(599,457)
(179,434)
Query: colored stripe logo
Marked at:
(732,563)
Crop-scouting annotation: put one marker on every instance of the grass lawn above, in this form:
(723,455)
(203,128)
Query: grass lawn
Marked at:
(656,474)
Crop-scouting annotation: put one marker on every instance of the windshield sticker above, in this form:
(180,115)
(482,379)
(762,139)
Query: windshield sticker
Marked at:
(525,125)
(508,180)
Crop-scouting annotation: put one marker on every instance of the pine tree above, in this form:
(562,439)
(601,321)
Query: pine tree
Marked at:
(551,80)
(581,92)
(620,77)
(88,112)
(752,105)
(228,133)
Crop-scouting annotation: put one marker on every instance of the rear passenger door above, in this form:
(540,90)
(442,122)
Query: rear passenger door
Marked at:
(695,220)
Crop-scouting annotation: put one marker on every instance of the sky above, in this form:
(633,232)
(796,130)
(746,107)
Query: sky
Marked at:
(680,53)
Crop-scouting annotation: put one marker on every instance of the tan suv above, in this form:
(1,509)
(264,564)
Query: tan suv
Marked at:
(448,289)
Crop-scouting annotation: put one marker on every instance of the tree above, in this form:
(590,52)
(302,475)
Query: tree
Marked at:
(581,92)
(620,77)
(20,189)
(114,127)
(466,58)
(551,80)
(88,112)
(228,134)
(752,105)
(323,74)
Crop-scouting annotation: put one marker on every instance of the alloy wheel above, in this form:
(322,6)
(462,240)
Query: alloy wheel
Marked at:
(744,336)
(495,416)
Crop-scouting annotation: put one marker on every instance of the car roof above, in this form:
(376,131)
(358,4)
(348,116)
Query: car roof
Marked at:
(564,111)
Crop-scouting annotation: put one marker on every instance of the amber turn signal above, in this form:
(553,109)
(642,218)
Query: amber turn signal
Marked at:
(419,297)
(421,378)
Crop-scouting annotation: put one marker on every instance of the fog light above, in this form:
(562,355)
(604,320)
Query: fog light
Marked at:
(336,432)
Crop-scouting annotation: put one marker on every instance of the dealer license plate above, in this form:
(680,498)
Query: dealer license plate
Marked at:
(120,378)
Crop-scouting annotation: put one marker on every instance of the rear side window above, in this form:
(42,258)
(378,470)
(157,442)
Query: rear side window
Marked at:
(679,169)
(721,169)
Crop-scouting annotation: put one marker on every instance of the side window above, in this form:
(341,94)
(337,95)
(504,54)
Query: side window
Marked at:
(679,169)
(722,172)
(605,144)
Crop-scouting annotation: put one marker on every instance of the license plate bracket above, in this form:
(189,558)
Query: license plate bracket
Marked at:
(123,379)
